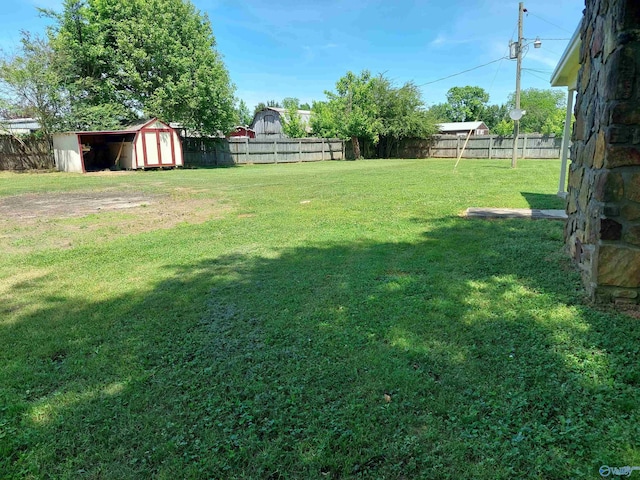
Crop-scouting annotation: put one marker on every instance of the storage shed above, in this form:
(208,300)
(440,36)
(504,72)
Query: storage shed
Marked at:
(147,144)
(268,122)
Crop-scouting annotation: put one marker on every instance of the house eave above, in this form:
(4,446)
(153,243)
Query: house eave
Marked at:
(566,72)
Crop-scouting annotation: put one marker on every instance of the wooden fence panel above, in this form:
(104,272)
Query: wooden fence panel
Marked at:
(534,146)
(24,153)
(236,151)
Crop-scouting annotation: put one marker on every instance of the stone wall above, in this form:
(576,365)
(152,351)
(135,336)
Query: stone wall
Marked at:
(603,229)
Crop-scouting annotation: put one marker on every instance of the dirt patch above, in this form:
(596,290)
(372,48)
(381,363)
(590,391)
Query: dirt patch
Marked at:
(61,205)
(32,222)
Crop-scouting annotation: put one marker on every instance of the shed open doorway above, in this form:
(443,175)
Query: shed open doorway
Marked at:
(108,151)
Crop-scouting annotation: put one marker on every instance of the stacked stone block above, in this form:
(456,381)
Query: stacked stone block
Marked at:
(603,228)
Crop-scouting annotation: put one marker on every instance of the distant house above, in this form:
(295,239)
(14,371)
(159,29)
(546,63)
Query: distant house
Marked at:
(19,126)
(268,122)
(242,132)
(462,128)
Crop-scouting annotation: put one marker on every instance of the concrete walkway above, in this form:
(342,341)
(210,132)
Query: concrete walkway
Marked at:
(533,213)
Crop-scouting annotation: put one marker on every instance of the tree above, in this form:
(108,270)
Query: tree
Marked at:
(270,103)
(400,114)
(554,124)
(466,103)
(353,109)
(372,109)
(324,123)
(440,112)
(305,106)
(243,115)
(120,59)
(503,128)
(542,107)
(493,115)
(30,86)
(292,124)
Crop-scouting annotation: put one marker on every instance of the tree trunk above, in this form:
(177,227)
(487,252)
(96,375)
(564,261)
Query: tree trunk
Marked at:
(356,147)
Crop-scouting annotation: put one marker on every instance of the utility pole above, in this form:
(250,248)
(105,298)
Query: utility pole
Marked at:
(518,74)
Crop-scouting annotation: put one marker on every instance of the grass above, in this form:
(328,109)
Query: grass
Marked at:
(330,320)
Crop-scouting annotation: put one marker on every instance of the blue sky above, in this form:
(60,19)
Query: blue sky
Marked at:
(285,48)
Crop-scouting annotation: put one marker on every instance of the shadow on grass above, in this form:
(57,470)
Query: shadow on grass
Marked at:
(465,355)
(544,201)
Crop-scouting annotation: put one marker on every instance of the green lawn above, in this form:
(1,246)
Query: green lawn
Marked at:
(329,320)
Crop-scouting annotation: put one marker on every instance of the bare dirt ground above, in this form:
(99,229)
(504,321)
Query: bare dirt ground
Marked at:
(31,222)
(60,205)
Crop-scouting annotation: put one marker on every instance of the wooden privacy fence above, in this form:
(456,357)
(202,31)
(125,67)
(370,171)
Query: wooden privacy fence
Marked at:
(24,153)
(482,146)
(203,152)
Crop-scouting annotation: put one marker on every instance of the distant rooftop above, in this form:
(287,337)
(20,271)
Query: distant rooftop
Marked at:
(19,125)
(457,126)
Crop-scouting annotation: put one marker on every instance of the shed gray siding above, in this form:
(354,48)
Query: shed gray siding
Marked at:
(267,123)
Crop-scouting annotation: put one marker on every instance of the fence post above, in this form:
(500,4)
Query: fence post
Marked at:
(323,149)
(299,150)
(490,145)
(343,150)
(246,150)
(275,151)
(457,146)
(524,146)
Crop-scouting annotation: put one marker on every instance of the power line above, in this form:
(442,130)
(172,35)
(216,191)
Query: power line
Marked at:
(550,23)
(534,75)
(538,71)
(555,39)
(460,73)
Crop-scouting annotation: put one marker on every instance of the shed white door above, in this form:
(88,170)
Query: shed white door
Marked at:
(151,148)
(166,149)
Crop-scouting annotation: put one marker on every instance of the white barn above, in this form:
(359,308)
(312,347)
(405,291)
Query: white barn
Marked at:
(148,144)
(268,122)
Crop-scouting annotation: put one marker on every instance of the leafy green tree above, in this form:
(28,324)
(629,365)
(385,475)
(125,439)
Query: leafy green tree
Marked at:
(243,115)
(119,60)
(262,105)
(30,86)
(292,124)
(503,128)
(324,122)
(353,110)
(554,124)
(466,103)
(372,109)
(305,106)
(401,114)
(440,112)
(543,106)
(493,115)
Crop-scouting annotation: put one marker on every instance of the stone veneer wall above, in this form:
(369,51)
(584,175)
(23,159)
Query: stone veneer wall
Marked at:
(603,229)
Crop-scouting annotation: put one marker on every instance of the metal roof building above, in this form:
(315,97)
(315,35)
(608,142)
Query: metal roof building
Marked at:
(463,128)
(268,122)
(18,126)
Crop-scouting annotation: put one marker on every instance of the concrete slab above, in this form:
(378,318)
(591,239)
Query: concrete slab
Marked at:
(532,213)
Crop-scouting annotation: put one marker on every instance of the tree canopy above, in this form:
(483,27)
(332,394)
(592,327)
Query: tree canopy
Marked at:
(292,124)
(545,110)
(243,115)
(467,104)
(122,60)
(372,109)
(30,86)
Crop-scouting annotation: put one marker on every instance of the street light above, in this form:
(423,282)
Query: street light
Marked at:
(515,51)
